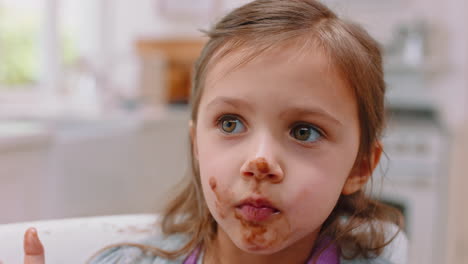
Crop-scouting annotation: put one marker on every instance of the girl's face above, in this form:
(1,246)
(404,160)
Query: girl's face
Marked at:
(276,140)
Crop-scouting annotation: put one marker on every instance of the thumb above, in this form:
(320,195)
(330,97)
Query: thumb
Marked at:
(33,249)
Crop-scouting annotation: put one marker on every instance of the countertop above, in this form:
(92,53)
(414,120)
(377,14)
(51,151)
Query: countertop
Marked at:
(23,133)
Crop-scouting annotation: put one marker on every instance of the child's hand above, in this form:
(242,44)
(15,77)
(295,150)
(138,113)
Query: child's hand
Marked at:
(33,249)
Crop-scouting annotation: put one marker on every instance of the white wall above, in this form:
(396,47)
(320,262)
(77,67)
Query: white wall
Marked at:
(23,173)
(93,167)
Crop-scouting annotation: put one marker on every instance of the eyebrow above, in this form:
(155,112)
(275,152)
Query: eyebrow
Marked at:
(293,110)
(234,102)
(307,111)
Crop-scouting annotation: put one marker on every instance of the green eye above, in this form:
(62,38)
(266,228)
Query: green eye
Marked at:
(231,125)
(306,133)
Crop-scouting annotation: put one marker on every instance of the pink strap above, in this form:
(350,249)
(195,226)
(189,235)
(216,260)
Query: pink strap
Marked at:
(192,258)
(330,253)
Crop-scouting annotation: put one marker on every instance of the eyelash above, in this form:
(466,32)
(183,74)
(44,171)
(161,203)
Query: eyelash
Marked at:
(227,116)
(224,116)
(320,131)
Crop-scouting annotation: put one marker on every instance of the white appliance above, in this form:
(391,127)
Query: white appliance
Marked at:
(412,171)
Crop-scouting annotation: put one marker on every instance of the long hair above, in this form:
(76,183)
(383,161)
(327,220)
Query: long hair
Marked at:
(357,223)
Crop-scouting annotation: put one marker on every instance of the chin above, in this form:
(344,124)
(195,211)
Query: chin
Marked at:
(259,248)
(263,239)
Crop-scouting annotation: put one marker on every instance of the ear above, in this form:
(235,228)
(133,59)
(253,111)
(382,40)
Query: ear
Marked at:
(193,140)
(362,171)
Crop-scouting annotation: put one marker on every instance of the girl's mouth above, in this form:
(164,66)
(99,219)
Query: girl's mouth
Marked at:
(256,210)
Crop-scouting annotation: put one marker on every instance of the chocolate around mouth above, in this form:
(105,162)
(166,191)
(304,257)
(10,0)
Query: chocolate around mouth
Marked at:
(257,202)
(254,214)
(257,209)
(275,210)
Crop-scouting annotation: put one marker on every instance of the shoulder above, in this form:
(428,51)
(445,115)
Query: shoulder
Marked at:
(397,251)
(128,253)
(394,253)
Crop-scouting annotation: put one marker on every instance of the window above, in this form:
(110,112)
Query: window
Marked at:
(37,40)
(41,43)
(20,31)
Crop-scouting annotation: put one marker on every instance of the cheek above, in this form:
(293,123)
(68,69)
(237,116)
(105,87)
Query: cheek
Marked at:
(218,169)
(217,184)
(314,190)
(313,203)
(216,158)
(218,174)
(217,197)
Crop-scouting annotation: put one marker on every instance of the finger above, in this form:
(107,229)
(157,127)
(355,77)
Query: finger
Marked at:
(33,249)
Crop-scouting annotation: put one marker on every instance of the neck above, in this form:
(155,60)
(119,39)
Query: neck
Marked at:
(224,251)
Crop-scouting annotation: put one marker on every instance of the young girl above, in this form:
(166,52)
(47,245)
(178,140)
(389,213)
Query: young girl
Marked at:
(287,111)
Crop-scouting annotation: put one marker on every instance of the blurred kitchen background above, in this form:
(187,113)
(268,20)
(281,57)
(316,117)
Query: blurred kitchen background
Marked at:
(93,108)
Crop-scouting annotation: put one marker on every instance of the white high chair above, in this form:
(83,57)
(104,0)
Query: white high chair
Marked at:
(75,240)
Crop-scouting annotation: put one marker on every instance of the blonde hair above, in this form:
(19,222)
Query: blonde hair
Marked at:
(256,28)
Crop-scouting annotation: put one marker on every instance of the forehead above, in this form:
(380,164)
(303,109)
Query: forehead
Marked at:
(284,74)
(232,55)
(299,56)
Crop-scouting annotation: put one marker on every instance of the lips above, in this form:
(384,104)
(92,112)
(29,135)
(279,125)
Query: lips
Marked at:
(256,210)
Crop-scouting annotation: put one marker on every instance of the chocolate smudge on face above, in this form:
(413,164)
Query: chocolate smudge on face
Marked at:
(264,235)
(257,235)
(213,183)
(254,232)
(218,201)
(262,168)
(262,165)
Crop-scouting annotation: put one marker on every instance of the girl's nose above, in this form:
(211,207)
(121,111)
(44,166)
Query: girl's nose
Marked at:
(262,170)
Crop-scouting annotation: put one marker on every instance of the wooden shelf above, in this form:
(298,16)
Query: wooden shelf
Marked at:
(179,56)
